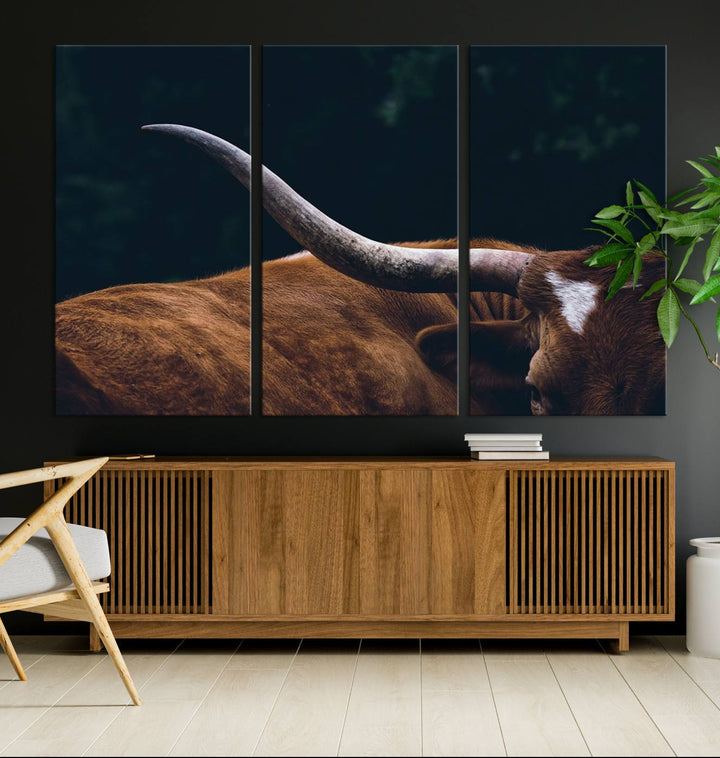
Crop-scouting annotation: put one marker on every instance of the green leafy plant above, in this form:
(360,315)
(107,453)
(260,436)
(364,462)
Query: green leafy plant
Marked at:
(643,225)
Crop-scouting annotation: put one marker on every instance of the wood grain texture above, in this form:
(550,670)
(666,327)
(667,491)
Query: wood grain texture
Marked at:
(279,541)
(681,710)
(458,709)
(308,716)
(253,702)
(384,543)
(231,719)
(553,628)
(9,649)
(534,716)
(370,542)
(159,525)
(392,542)
(45,598)
(50,515)
(585,542)
(217,463)
(83,713)
(705,672)
(384,711)
(72,561)
(609,715)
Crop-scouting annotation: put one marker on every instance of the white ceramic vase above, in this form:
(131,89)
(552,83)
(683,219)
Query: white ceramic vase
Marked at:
(703,598)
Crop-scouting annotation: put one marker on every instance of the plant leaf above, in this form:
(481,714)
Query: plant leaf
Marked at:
(650,194)
(704,199)
(710,214)
(717,324)
(629,194)
(624,270)
(699,167)
(668,316)
(712,160)
(687,285)
(612,211)
(687,229)
(673,200)
(637,268)
(686,259)
(708,290)
(651,206)
(608,254)
(690,198)
(713,255)
(712,182)
(617,228)
(648,242)
(653,288)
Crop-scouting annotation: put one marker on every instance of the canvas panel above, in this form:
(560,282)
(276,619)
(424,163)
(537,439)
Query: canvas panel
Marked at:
(555,133)
(144,227)
(368,135)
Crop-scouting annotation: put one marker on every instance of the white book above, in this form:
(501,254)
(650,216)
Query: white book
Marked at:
(511,456)
(504,437)
(532,447)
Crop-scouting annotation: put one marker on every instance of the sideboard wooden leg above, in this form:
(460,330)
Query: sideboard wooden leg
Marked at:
(622,643)
(624,638)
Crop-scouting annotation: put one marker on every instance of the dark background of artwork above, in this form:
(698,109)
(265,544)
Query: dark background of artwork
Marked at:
(132,206)
(368,134)
(689,434)
(555,132)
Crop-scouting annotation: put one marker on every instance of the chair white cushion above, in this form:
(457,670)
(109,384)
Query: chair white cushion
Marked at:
(36,566)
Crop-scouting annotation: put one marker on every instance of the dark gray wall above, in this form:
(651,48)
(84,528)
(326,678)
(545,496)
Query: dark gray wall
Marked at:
(689,434)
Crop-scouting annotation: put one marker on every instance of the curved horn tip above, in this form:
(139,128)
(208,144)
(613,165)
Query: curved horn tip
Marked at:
(162,127)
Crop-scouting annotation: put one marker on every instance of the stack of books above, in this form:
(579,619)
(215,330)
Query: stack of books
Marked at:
(507,447)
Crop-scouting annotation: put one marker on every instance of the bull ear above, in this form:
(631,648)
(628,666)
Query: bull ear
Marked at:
(499,362)
(438,347)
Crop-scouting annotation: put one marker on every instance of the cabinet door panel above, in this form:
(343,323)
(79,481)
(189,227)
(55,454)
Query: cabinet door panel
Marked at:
(367,542)
(432,542)
(392,542)
(467,538)
(284,544)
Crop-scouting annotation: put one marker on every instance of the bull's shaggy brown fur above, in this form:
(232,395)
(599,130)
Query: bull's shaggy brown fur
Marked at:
(335,346)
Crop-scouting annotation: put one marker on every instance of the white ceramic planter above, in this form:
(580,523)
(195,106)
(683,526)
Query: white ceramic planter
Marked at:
(703,598)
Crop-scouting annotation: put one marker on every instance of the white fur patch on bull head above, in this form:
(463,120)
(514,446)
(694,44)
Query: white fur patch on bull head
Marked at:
(577,299)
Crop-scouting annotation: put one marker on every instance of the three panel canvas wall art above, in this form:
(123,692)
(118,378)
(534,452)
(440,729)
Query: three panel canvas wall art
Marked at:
(356,264)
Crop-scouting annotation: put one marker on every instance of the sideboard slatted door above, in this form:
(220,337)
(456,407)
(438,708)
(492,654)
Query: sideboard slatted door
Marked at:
(159,526)
(590,542)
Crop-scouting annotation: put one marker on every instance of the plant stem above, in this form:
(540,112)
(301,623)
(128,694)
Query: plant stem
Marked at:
(713,361)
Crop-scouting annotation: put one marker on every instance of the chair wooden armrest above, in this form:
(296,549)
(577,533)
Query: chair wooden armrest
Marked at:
(77,474)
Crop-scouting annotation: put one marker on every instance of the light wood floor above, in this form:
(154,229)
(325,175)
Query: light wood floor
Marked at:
(372,698)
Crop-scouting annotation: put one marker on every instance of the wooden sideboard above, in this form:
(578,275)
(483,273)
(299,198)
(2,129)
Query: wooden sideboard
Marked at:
(384,547)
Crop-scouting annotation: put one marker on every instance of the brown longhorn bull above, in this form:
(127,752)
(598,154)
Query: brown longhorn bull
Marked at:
(372,332)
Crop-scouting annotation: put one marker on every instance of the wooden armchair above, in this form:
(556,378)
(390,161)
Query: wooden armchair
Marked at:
(60,580)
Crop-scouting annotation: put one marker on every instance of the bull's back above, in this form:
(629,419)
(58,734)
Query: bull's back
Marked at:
(335,346)
(156,349)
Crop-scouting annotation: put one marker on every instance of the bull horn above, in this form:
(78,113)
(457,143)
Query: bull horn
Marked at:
(388,266)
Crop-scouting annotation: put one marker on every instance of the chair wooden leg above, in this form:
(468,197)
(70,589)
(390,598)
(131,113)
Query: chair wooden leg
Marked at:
(70,557)
(7,646)
(95,643)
